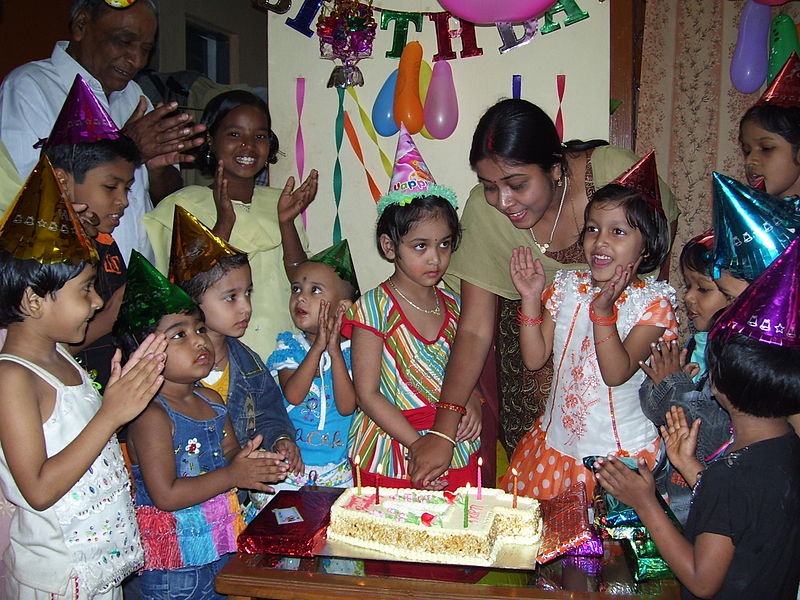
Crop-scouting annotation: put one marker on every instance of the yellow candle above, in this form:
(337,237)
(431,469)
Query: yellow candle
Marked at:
(516,480)
(357,461)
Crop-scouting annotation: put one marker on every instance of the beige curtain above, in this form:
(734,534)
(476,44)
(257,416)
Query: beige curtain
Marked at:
(688,109)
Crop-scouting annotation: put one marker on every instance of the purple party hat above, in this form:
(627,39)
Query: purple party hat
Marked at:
(411,177)
(769,309)
(752,228)
(82,119)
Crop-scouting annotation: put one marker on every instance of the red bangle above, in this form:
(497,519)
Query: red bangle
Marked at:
(598,320)
(605,339)
(462,410)
(526,321)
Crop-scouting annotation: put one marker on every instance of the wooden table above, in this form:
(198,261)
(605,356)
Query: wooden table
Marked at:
(246,577)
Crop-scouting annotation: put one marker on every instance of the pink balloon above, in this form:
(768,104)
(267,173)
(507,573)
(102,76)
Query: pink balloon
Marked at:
(750,61)
(441,103)
(772,2)
(486,12)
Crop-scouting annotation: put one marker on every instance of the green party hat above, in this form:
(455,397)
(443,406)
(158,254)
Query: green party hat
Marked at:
(338,258)
(148,297)
(195,248)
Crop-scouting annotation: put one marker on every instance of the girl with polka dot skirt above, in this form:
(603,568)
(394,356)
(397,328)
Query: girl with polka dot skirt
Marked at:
(599,325)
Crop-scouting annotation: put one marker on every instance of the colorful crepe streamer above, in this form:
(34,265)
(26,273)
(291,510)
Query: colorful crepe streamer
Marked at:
(299,144)
(561,83)
(337,167)
(354,143)
(373,135)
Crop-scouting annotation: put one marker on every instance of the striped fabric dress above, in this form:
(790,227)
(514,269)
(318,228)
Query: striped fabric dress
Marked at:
(412,370)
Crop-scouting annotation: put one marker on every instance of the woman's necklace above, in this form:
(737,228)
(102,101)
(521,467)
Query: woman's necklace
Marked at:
(544,246)
(428,311)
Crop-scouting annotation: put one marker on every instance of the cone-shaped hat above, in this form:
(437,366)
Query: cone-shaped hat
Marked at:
(148,297)
(752,228)
(411,177)
(338,258)
(42,225)
(768,310)
(643,178)
(785,88)
(195,248)
(82,119)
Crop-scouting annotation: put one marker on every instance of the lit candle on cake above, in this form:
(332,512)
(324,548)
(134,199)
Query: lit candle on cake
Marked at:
(357,462)
(480,478)
(515,481)
(466,507)
(378,485)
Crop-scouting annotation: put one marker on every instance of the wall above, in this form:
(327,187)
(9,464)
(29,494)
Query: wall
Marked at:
(581,51)
(18,22)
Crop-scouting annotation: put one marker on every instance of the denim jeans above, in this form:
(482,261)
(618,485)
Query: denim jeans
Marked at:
(187,583)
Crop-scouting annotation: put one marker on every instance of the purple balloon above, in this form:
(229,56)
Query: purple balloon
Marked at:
(750,61)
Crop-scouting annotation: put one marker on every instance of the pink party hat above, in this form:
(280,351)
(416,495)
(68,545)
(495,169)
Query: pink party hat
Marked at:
(769,308)
(643,178)
(411,177)
(785,89)
(82,119)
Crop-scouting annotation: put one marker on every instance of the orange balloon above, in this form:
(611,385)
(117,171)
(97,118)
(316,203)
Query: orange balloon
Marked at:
(408,108)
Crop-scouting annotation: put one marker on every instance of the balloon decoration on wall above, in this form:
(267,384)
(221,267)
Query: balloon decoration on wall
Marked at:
(782,42)
(772,2)
(408,108)
(383,108)
(346,32)
(750,57)
(482,12)
(441,103)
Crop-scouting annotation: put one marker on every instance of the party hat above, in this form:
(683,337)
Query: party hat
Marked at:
(148,297)
(643,178)
(338,258)
(785,89)
(752,227)
(195,248)
(768,310)
(411,177)
(42,225)
(82,119)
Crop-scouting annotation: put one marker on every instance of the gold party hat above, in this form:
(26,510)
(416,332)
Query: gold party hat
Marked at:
(195,248)
(42,225)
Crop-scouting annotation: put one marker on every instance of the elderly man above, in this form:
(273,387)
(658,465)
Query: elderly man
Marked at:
(108,46)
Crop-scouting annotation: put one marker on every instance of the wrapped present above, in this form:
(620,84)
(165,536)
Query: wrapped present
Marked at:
(566,526)
(292,524)
(644,558)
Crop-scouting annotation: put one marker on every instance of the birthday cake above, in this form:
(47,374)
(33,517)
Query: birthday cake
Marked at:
(421,525)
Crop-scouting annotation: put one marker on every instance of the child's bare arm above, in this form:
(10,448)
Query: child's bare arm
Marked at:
(701,567)
(366,352)
(536,326)
(41,479)
(150,441)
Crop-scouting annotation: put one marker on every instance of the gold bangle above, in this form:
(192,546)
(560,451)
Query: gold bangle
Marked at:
(279,438)
(444,436)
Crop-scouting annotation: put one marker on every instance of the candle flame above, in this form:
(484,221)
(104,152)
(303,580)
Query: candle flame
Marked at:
(480,461)
(514,472)
(357,460)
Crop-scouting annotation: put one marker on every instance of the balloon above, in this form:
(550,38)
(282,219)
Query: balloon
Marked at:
(383,108)
(772,2)
(425,73)
(407,105)
(750,58)
(441,105)
(782,42)
(482,12)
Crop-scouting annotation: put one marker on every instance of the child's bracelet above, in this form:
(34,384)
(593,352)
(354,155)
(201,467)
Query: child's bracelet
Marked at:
(280,439)
(605,339)
(606,321)
(526,321)
(444,436)
(462,410)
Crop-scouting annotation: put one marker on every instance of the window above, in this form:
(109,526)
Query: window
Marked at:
(208,52)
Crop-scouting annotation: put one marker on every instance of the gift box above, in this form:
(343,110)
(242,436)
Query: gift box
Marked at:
(566,526)
(292,524)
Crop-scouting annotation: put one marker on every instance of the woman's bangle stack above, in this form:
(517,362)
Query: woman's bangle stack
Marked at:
(526,321)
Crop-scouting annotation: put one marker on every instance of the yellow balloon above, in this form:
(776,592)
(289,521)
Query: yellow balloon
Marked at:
(425,73)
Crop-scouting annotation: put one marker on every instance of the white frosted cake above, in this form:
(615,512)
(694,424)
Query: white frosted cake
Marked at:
(421,525)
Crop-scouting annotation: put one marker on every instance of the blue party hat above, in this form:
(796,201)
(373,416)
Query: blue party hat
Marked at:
(752,228)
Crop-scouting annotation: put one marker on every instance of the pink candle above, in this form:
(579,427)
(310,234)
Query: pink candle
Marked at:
(357,462)
(378,486)
(480,478)
(516,480)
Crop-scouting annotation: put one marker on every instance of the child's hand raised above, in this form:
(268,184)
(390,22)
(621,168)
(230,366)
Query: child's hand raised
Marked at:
(665,359)
(680,441)
(252,467)
(292,203)
(611,290)
(226,217)
(335,329)
(130,388)
(626,485)
(527,274)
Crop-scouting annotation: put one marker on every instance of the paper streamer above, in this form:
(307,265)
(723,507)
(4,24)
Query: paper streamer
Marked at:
(299,144)
(337,168)
(356,145)
(561,83)
(373,135)
(516,87)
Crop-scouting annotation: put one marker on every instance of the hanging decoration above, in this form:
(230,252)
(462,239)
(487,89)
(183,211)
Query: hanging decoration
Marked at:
(481,12)
(782,42)
(441,103)
(561,84)
(373,135)
(346,32)
(299,143)
(401,20)
(337,166)
(509,36)
(383,107)
(352,137)
(408,108)
(279,8)
(425,74)
(516,87)
(301,22)
(574,15)
(749,64)
(444,38)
